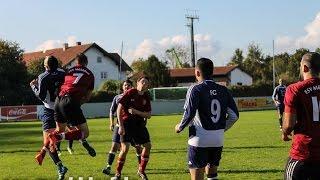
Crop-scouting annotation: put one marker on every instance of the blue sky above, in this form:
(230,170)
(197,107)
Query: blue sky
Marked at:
(148,26)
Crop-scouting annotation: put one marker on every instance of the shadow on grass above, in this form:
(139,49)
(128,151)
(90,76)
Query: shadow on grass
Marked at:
(255,147)
(20,151)
(236,171)
(167,171)
(15,125)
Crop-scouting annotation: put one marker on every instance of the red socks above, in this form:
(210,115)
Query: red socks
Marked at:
(144,162)
(73,135)
(120,165)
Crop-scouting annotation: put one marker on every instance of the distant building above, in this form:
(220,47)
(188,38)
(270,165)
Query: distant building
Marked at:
(103,65)
(224,75)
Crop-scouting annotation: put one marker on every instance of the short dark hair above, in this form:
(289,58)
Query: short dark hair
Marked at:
(128,81)
(82,59)
(51,62)
(205,66)
(313,61)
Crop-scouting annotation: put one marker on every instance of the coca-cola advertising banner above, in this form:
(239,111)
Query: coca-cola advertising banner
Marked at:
(18,113)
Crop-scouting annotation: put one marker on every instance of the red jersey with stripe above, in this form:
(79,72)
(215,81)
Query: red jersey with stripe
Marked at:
(302,99)
(78,81)
(132,99)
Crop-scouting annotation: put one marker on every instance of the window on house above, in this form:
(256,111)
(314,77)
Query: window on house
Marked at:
(99,59)
(239,83)
(104,75)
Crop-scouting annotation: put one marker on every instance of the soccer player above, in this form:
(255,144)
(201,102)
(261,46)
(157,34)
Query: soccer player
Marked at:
(133,110)
(209,111)
(46,89)
(76,90)
(278,98)
(114,126)
(301,116)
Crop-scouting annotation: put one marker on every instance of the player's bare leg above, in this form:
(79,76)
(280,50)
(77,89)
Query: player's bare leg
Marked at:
(280,119)
(197,173)
(144,160)
(212,172)
(138,153)
(122,158)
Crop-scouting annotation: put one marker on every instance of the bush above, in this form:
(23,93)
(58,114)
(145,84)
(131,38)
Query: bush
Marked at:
(110,86)
(102,96)
(252,91)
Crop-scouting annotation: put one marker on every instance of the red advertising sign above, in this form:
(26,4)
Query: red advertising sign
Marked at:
(13,113)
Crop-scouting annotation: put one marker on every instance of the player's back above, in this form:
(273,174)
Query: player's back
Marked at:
(78,81)
(210,120)
(305,99)
(50,83)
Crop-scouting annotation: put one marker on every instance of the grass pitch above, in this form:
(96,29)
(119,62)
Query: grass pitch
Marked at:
(253,150)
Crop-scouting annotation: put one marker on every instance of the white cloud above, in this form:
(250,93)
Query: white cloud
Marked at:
(206,47)
(310,40)
(51,44)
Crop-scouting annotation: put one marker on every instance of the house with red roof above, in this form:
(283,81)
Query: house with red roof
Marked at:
(104,65)
(224,75)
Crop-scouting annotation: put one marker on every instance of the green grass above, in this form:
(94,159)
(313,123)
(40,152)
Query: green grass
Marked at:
(252,150)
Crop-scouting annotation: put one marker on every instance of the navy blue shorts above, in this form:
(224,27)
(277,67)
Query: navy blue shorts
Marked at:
(116,135)
(280,108)
(47,119)
(200,157)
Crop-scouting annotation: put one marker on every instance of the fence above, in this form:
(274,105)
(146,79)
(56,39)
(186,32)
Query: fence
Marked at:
(93,110)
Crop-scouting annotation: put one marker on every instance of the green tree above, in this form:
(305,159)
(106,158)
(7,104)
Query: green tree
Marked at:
(294,64)
(237,58)
(178,53)
(152,67)
(139,65)
(14,87)
(35,68)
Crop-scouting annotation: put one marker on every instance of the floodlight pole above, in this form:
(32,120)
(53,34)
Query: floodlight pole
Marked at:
(191,18)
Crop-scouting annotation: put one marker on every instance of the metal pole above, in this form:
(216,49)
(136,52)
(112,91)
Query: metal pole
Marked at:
(192,44)
(120,61)
(273,70)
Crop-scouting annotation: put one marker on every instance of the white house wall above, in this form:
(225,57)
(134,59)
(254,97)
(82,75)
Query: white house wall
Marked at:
(238,76)
(106,65)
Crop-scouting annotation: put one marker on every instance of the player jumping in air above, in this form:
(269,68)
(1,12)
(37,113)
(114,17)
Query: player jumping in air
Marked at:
(133,110)
(46,88)
(114,126)
(76,90)
(278,98)
(209,111)
(302,103)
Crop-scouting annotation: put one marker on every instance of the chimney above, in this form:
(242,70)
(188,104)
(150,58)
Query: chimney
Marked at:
(65,46)
(78,43)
